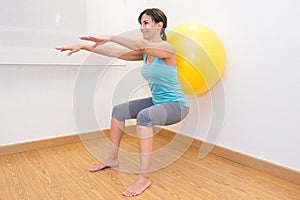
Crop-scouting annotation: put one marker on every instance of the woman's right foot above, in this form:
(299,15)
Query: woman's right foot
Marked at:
(103,166)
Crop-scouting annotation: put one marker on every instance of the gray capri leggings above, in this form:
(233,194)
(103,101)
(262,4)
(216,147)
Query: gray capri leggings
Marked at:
(148,114)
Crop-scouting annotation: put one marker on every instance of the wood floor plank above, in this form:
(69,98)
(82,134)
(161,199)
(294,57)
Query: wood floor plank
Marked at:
(61,172)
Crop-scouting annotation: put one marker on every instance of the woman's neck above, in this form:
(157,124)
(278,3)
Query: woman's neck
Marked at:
(155,39)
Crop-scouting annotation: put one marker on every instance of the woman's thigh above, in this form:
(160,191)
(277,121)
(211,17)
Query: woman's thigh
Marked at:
(162,114)
(130,109)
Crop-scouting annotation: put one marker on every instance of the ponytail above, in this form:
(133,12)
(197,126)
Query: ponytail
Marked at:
(163,34)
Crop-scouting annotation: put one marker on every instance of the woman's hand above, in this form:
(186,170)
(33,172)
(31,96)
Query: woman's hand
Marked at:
(72,49)
(99,40)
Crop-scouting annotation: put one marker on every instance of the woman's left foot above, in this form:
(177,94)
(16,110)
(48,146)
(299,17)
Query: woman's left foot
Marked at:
(139,186)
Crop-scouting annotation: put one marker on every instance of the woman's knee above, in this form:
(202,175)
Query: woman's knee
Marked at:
(144,118)
(152,116)
(119,112)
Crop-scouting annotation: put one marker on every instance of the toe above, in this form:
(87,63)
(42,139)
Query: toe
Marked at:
(98,168)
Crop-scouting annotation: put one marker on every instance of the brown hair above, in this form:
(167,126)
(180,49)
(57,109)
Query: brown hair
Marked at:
(157,16)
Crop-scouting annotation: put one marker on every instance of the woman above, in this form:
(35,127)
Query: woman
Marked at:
(168,104)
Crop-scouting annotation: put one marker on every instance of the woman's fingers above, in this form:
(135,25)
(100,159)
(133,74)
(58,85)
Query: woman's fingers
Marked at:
(99,40)
(64,48)
(59,48)
(89,38)
(95,45)
(71,49)
(70,53)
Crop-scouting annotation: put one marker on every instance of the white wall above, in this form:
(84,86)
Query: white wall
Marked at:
(113,17)
(36,102)
(261,86)
(37,83)
(29,30)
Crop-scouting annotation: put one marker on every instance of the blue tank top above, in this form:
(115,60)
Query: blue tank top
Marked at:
(163,82)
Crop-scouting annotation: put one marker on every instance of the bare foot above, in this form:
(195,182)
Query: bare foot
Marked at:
(139,186)
(104,165)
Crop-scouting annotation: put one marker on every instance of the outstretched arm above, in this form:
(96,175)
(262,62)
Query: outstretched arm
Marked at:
(162,50)
(122,53)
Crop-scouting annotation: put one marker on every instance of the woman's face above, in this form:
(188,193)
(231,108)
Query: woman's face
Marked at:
(149,28)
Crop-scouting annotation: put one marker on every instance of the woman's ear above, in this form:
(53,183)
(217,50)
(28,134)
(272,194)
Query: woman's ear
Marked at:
(160,24)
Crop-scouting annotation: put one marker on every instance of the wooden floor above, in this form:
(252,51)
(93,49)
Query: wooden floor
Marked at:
(62,173)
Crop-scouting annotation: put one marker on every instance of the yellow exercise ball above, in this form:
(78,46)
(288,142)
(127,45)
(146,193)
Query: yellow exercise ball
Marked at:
(201,57)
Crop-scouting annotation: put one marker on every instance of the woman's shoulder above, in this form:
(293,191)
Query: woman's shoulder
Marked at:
(166,46)
(168,43)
